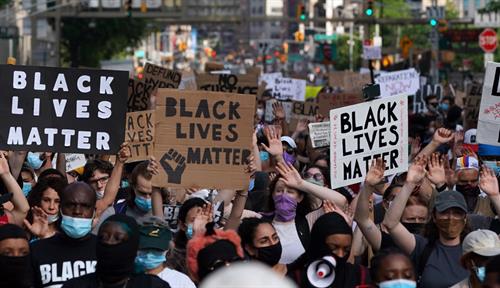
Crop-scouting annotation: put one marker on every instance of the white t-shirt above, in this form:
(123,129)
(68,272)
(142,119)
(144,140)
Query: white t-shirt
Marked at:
(290,242)
(176,279)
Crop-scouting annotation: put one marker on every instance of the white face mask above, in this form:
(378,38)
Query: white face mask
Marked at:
(260,112)
(52,218)
(100,194)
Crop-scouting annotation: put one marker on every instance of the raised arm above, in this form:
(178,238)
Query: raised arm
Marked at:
(113,185)
(21,206)
(275,148)
(362,216)
(489,185)
(401,236)
(441,136)
(16,160)
(292,179)
(61,163)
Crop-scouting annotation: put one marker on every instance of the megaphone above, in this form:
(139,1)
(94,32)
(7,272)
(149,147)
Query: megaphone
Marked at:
(321,273)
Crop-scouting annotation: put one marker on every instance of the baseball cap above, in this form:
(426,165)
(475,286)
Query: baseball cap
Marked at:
(289,140)
(154,237)
(450,199)
(470,141)
(467,162)
(483,242)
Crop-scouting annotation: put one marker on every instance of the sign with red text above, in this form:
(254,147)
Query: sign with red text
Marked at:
(366,131)
(488,126)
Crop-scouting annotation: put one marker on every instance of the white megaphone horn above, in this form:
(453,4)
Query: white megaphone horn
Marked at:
(321,273)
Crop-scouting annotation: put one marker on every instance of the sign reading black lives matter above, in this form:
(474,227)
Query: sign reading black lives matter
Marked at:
(203,138)
(488,126)
(363,132)
(62,110)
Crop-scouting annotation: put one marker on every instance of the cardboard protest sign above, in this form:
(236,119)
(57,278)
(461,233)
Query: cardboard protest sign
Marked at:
(74,161)
(289,89)
(488,127)
(213,66)
(301,110)
(139,94)
(203,138)
(404,82)
(171,214)
(230,83)
(140,134)
(329,101)
(471,106)
(363,132)
(349,81)
(320,134)
(372,52)
(161,77)
(62,110)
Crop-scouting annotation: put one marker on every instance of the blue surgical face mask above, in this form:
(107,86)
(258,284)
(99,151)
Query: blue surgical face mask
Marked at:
(398,283)
(26,188)
(264,156)
(444,106)
(480,273)
(34,160)
(492,165)
(316,182)
(148,260)
(125,184)
(76,227)
(143,203)
(251,185)
(189,231)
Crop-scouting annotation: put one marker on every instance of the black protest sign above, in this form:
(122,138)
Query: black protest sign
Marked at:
(203,139)
(139,94)
(160,77)
(472,103)
(230,83)
(62,110)
(140,134)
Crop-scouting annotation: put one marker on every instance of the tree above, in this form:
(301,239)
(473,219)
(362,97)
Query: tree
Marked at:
(85,41)
(342,62)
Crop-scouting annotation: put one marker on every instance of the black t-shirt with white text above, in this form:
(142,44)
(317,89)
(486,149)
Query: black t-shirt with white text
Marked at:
(61,258)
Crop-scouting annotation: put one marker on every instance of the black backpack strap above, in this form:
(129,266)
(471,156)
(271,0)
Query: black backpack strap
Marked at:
(120,207)
(424,257)
(302,227)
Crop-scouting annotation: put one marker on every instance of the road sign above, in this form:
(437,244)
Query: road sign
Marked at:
(488,40)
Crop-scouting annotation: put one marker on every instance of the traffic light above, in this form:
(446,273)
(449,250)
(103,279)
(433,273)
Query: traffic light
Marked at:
(433,22)
(299,36)
(301,12)
(369,8)
(144,6)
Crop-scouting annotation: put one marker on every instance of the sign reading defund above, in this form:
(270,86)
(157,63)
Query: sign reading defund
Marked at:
(488,126)
(363,132)
(203,138)
(62,110)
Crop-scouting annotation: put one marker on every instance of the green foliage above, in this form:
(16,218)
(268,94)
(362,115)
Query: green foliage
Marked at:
(492,6)
(4,2)
(85,44)
(394,9)
(451,10)
(342,62)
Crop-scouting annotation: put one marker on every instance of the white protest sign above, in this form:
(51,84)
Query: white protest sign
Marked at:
(372,52)
(404,82)
(75,161)
(320,134)
(289,89)
(270,78)
(363,132)
(488,126)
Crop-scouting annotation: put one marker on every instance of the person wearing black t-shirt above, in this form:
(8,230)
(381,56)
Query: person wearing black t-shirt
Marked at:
(117,244)
(72,253)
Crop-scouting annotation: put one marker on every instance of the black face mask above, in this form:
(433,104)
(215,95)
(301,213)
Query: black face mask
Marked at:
(115,262)
(468,190)
(414,228)
(16,271)
(270,255)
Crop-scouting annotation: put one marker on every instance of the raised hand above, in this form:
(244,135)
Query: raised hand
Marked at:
(329,207)
(319,118)
(124,154)
(153,166)
(302,125)
(4,165)
(40,226)
(202,218)
(443,136)
(415,147)
(458,143)
(278,111)
(416,172)
(376,173)
(451,177)
(251,168)
(290,175)
(435,167)
(273,134)
(174,165)
(488,182)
